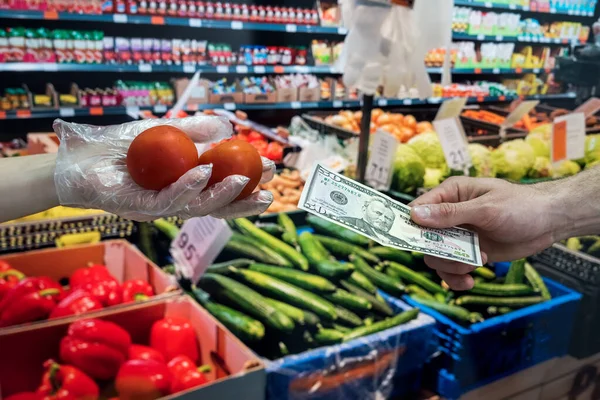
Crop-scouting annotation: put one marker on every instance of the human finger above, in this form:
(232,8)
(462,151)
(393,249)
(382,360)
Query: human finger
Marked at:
(448,266)
(446,215)
(457,282)
(268,170)
(255,204)
(184,190)
(217,196)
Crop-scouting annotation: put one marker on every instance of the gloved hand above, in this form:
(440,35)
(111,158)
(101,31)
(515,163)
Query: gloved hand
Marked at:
(91,173)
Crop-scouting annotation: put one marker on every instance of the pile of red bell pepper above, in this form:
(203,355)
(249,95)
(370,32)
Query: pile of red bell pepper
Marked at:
(27,299)
(271,150)
(96,351)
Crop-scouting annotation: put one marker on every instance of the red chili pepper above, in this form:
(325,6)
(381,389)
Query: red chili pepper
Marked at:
(185,375)
(96,347)
(143,380)
(136,290)
(77,302)
(27,286)
(93,273)
(60,381)
(107,291)
(9,278)
(31,307)
(139,352)
(24,396)
(174,336)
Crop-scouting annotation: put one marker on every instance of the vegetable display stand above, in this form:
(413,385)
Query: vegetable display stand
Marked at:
(388,363)
(487,351)
(123,260)
(235,372)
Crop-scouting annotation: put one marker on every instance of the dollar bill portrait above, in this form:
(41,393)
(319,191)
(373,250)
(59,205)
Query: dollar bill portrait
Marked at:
(377,220)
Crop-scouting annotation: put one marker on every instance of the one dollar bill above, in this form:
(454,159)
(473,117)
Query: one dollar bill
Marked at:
(370,213)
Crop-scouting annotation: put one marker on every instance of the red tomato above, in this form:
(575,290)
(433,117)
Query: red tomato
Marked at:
(260,145)
(159,156)
(253,136)
(242,136)
(274,151)
(234,157)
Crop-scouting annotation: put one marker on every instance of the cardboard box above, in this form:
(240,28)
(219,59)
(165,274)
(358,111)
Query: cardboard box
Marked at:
(123,260)
(260,98)
(200,93)
(236,372)
(309,94)
(287,95)
(237,97)
(42,143)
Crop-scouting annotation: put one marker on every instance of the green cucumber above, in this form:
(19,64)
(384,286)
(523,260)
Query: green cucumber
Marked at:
(290,234)
(320,260)
(339,232)
(485,273)
(412,276)
(440,297)
(342,249)
(391,254)
(347,317)
(223,267)
(358,279)
(501,289)
(280,260)
(247,251)
(379,279)
(377,306)
(452,311)
(512,302)
(168,228)
(516,272)
(301,279)
(296,314)
(536,281)
(279,246)
(325,337)
(270,227)
(388,323)
(419,291)
(348,300)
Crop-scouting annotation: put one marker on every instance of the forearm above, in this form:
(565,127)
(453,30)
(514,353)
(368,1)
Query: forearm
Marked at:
(574,205)
(26,185)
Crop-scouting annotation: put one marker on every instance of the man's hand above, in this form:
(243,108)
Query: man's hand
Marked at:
(513,221)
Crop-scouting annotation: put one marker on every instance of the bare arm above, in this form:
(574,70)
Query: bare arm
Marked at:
(26,185)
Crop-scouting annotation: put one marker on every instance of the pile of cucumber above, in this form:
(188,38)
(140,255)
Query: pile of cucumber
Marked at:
(491,296)
(287,292)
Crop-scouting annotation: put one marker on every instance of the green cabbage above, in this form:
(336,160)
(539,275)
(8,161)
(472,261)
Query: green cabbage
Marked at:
(566,168)
(427,145)
(433,177)
(409,170)
(540,146)
(513,160)
(542,168)
(481,156)
(592,148)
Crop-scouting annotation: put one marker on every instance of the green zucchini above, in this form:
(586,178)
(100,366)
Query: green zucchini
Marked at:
(501,290)
(279,246)
(512,302)
(296,314)
(485,273)
(358,279)
(347,317)
(301,279)
(504,310)
(320,261)
(419,291)
(290,234)
(270,227)
(280,260)
(452,311)
(223,267)
(283,291)
(516,272)
(311,318)
(377,306)
(325,337)
(342,249)
(339,232)
(247,301)
(391,254)
(348,300)
(410,275)
(381,280)
(388,323)
(341,328)
(169,229)
(440,297)
(244,327)
(247,251)
(536,281)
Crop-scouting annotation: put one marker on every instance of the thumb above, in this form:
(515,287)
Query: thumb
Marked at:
(445,215)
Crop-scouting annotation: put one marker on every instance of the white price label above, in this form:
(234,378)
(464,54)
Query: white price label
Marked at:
(241,69)
(536,70)
(519,112)
(291,28)
(120,18)
(197,244)
(382,102)
(302,69)
(195,22)
(568,137)
(553,11)
(481,36)
(66,112)
(454,143)
(189,69)
(496,71)
(259,69)
(160,108)
(379,171)
(499,38)
(296,105)
(222,69)
(512,6)
(237,25)
(342,31)
(338,104)
(535,39)
(570,12)
(145,68)
(407,102)
(525,8)
(50,67)
(229,106)
(489,4)
(133,112)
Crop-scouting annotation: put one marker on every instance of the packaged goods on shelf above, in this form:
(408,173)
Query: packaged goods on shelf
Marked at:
(68,6)
(326,53)
(476,22)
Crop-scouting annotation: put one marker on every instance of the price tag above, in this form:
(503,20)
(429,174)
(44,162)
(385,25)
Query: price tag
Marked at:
(489,4)
(338,104)
(189,69)
(525,8)
(195,22)
(535,39)
(454,142)
(237,25)
(407,102)
(291,28)
(342,31)
(499,38)
(120,18)
(379,171)
(259,69)
(229,106)
(481,36)
(145,68)
(160,108)
(133,112)
(222,69)
(197,244)
(296,105)
(302,69)
(241,69)
(536,70)
(451,108)
(553,11)
(50,67)
(590,107)
(568,137)
(512,6)
(382,102)
(66,112)
(496,71)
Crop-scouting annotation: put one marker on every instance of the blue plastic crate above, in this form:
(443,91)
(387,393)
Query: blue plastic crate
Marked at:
(388,362)
(479,354)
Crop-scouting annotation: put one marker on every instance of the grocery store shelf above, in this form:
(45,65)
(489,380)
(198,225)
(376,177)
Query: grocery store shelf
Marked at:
(133,111)
(522,39)
(494,71)
(172,21)
(489,4)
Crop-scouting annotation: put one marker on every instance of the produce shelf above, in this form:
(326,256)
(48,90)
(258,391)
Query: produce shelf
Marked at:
(494,71)
(523,39)
(489,4)
(66,112)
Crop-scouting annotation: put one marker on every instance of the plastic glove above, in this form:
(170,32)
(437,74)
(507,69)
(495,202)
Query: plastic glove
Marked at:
(91,172)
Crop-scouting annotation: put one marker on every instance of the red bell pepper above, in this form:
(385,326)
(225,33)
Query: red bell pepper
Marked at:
(27,286)
(143,380)
(4,266)
(136,290)
(77,302)
(139,352)
(174,336)
(185,375)
(108,292)
(60,381)
(92,273)
(30,307)
(24,396)
(96,347)
(9,278)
